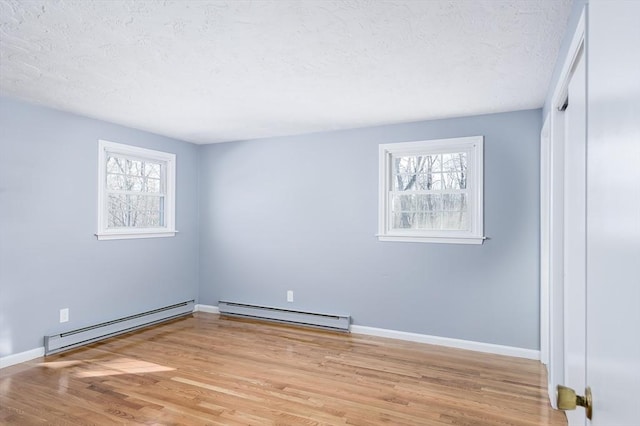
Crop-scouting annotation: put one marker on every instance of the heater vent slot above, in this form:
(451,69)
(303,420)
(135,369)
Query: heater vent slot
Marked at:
(83,336)
(311,319)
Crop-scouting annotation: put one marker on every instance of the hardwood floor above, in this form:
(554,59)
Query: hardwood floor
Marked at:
(204,369)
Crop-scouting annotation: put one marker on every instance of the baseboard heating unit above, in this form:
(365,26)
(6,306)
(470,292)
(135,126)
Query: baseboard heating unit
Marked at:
(311,319)
(83,336)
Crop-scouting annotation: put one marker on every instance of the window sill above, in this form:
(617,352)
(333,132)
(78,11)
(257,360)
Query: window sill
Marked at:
(424,239)
(128,235)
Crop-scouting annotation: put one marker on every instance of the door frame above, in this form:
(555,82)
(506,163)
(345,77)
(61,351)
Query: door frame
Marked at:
(552,147)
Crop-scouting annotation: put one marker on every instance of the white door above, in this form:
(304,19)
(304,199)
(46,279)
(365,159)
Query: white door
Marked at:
(613,212)
(609,316)
(575,234)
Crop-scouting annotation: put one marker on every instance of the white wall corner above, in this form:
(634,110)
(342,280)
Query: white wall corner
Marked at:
(207,308)
(13,359)
(448,342)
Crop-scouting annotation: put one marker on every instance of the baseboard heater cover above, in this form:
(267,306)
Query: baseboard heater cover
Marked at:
(83,336)
(311,319)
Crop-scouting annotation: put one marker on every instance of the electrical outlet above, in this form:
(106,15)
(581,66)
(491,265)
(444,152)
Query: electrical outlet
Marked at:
(64,315)
(289,295)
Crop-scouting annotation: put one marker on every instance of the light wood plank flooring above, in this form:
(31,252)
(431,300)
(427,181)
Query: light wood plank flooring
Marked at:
(207,370)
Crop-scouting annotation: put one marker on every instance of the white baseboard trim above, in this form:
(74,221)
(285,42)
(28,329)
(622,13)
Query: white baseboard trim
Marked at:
(425,338)
(446,341)
(9,360)
(207,308)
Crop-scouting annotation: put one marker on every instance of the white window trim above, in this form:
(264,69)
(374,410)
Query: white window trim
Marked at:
(169,230)
(474,146)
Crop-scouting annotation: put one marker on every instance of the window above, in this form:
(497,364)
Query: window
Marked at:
(431,191)
(136,192)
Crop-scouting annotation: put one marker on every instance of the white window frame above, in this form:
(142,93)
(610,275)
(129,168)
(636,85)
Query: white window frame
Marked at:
(474,147)
(169,229)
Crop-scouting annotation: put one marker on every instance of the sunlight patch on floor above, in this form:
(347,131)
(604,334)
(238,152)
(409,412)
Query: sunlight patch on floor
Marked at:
(95,368)
(123,366)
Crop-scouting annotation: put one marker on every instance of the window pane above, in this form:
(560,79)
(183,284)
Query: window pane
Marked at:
(429,211)
(455,221)
(116,183)
(409,165)
(134,167)
(430,172)
(404,182)
(152,170)
(414,220)
(455,214)
(428,221)
(435,163)
(430,203)
(423,182)
(454,202)
(153,185)
(432,220)
(133,175)
(416,211)
(452,180)
(462,160)
(403,220)
(447,163)
(436,182)
(135,183)
(134,210)
(416,202)
(115,165)
(131,167)
(418,182)
(429,182)
(454,162)
(147,219)
(117,212)
(407,170)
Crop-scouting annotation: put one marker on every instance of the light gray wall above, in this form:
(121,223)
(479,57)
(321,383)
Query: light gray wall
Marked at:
(49,256)
(574,17)
(300,213)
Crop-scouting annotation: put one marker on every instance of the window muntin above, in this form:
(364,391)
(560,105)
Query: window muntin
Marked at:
(431,191)
(136,192)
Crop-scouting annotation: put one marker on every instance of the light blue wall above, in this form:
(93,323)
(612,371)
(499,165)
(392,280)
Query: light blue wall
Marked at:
(293,213)
(300,213)
(574,17)
(49,256)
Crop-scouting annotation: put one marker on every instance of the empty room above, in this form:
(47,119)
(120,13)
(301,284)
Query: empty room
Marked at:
(319,212)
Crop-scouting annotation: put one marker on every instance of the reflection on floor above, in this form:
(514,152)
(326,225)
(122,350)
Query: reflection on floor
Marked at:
(209,370)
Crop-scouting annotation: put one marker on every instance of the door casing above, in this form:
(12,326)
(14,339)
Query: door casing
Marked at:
(552,300)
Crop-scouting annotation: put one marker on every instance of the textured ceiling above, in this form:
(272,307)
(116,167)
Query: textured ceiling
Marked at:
(211,71)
